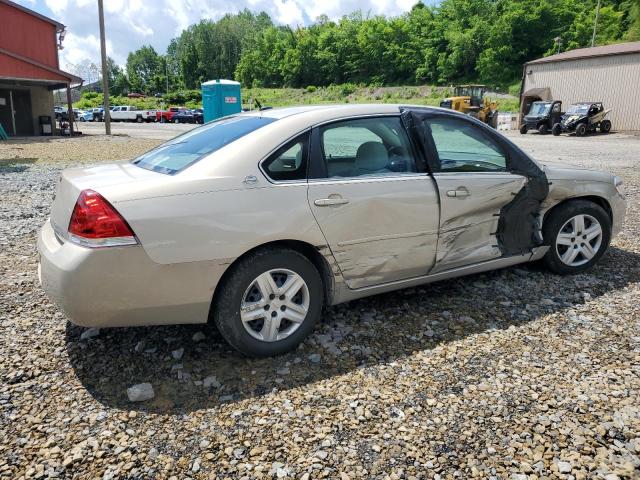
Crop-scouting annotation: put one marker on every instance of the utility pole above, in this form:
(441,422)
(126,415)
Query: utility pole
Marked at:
(595,25)
(105,74)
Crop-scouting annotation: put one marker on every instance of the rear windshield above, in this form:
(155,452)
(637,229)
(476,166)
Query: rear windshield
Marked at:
(185,150)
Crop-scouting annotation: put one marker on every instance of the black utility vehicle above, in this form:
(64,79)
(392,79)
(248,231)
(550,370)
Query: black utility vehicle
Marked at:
(582,118)
(542,117)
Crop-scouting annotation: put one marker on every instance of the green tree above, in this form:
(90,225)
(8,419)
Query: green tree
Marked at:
(144,70)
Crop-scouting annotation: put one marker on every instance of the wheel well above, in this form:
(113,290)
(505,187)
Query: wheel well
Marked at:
(602,202)
(306,249)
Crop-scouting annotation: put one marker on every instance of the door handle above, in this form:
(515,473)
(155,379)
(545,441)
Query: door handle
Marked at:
(326,202)
(459,192)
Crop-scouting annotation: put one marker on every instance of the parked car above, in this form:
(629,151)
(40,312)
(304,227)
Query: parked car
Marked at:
(98,114)
(128,113)
(84,115)
(542,117)
(64,115)
(258,220)
(187,116)
(583,118)
(58,112)
(167,115)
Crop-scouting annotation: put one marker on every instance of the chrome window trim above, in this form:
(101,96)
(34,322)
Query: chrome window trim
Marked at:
(500,173)
(370,178)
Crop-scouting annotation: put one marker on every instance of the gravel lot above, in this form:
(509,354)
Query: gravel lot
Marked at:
(513,374)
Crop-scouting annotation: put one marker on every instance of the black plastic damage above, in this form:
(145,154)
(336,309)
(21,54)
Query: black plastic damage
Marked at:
(518,224)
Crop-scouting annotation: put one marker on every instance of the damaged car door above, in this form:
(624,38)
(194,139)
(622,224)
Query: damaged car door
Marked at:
(474,184)
(377,211)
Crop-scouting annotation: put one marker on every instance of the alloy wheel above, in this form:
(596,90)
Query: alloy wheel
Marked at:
(274,305)
(579,240)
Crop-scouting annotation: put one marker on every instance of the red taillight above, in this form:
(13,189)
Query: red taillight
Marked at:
(95,223)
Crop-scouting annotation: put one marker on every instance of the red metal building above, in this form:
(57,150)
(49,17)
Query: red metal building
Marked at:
(29,69)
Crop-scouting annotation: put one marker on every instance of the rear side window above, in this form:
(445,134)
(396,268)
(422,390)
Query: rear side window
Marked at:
(187,149)
(366,146)
(289,162)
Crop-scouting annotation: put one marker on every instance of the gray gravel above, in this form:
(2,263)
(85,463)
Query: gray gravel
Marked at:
(512,374)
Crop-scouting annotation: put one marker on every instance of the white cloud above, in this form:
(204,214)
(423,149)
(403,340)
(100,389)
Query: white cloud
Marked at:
(133,23)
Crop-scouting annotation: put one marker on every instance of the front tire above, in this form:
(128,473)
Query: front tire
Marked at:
(523,129)
(578,233)
(556,130)
(581,130)
(269,302)
(543,129)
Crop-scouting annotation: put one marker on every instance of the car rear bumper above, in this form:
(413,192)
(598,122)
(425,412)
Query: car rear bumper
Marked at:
(122,286)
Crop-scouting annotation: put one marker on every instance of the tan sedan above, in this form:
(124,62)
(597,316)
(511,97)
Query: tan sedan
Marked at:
(258,220)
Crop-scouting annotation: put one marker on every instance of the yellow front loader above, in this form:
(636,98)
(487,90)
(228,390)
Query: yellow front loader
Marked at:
(471,100)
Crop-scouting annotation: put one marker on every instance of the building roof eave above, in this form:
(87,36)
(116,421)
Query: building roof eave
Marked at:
(590,52)
(73,79)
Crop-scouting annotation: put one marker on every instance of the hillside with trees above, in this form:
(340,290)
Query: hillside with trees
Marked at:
(454,41)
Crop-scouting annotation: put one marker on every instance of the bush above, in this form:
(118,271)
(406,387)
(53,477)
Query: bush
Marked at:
(347,88)
(89,95)
(311,89)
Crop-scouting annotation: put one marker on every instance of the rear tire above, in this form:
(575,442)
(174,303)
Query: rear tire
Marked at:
(581,130)
(251,311)
(523,129)
(605,126)
(572,251)
(139,119)
(556,130)
(543,129)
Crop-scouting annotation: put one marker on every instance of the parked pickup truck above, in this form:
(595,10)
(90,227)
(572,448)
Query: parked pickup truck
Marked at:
(128,113)
(167,115)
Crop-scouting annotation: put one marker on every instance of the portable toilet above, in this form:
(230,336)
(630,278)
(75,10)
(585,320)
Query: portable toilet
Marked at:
(220,98)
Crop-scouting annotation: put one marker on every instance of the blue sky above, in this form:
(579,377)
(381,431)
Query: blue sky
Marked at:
(133,23)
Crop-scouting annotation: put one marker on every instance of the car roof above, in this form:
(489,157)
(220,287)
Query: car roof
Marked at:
(336,110)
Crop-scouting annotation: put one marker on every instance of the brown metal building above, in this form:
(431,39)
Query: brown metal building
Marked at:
(608,74)
(29,68)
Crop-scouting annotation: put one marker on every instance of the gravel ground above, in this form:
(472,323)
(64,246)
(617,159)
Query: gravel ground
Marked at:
(512,374)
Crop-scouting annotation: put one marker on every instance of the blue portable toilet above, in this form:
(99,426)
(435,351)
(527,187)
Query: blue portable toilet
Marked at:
(220,98)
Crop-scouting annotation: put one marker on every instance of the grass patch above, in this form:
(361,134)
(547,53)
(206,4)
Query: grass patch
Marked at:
(312,95)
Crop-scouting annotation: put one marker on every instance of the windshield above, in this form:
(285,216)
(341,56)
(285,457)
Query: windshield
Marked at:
(185,150)
(578,109)
(539,108)
(469,92)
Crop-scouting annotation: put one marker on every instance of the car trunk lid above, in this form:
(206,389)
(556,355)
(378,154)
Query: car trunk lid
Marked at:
(98,178)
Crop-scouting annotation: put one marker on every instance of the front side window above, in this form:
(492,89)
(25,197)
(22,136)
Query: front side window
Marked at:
(371,146)
(464,147)
(289,162)
(186,149)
